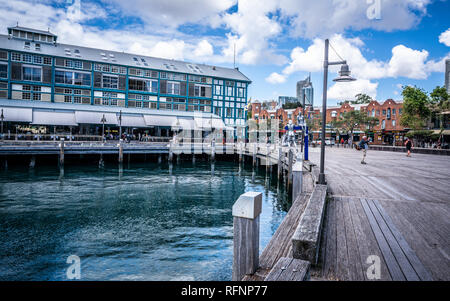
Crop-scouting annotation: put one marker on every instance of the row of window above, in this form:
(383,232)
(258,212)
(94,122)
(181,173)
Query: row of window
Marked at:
(28,58)
(110,69)
(71,78)
(387,112)
(68,63)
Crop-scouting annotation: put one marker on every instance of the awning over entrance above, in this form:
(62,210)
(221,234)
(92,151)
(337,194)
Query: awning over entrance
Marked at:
(183,124)
(218,124)
(54,118)
(95,118)
(133,121)
(445,132)
(203,124)
(156,120)
(17,114)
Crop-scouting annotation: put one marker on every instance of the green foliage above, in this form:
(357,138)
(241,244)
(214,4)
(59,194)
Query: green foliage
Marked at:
(351,120)
(419,134)
(439,95)
(415,107)
(362,98)
(292,105)
(440,102)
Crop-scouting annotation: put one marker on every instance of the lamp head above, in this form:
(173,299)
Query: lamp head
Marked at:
(344,75)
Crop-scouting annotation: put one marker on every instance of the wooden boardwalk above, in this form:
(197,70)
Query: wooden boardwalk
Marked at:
(395,207)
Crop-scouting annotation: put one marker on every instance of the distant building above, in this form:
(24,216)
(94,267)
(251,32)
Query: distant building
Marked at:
(286,99)
(305,91)
(447,75)
(386,131)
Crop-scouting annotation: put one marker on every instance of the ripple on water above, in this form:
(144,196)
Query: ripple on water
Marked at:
(141,224)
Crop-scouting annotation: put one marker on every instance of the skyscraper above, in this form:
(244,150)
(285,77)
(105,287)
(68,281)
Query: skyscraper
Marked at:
(305,91)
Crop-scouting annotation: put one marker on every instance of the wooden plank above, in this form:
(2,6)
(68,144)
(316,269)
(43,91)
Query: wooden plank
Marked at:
(392,265)
(329,262)
(430,256)
(342,261)
(420,269)
(354,259)
(289,269)
(367,238)
(407,269)
(280,244)
(306,239)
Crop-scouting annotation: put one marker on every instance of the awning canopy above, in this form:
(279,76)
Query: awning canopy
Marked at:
(133,121)
(203,123)
(95,118)
(444,132)
(156,120)
(54,118)
(218,123)
(184,124)
(17,114)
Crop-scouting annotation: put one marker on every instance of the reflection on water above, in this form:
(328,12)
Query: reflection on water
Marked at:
(143,221)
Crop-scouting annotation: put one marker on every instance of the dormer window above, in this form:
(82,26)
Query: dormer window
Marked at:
(37,47)
(27,45)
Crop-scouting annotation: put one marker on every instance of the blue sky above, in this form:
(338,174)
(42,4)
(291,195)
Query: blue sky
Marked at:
(387,43)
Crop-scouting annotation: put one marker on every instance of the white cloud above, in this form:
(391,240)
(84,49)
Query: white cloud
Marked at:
(444,38)
(347,91)
(204,48)
(407,62)
(404,62)
(326,17)
(276,78)
(251,29)
(172,13)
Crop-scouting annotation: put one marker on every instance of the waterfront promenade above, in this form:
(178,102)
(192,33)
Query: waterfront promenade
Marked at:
(395,207)
(411,195)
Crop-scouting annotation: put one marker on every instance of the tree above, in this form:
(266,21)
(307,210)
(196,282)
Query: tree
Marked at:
(415,108)
(351,120)
(292,105)
(440,102)
(362,98)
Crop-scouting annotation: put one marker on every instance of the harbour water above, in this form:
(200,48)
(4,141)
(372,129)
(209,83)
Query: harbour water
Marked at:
(146,222)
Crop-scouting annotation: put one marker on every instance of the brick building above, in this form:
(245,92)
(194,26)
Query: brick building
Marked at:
(387,131)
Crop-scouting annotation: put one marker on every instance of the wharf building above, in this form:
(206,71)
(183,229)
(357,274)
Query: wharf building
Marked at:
(48,87)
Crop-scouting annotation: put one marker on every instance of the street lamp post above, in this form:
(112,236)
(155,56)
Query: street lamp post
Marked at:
(103,120)
(120,125)
(344,76)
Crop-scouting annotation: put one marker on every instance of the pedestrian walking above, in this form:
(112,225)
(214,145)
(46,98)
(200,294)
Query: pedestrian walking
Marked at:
(364,146)
(409,146)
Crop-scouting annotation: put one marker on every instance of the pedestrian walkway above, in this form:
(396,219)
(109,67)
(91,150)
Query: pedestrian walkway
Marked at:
(396,208)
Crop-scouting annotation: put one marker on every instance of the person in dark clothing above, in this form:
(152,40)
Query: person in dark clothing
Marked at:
(409,146)
(364,145)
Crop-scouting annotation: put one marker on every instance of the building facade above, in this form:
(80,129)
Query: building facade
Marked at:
(35,68)
(305,91)
(282,100)
(387,131)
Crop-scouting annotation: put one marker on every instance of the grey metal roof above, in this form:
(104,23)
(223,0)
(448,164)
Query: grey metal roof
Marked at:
(122,58)
(32,30)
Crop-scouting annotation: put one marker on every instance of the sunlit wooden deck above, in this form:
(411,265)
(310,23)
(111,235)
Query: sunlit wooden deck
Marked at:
(395,207)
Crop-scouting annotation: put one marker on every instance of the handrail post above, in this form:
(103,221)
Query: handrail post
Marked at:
(297,181)
(246,213)
(61,152)
(290,163)
(120,151)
